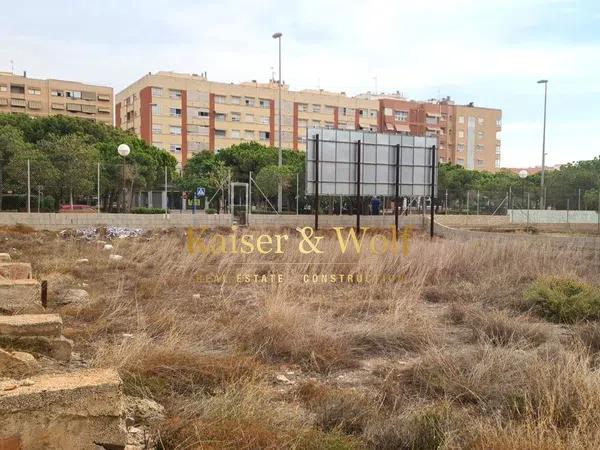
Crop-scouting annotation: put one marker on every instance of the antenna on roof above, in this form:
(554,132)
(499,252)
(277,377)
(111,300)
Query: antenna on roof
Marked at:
(12,66)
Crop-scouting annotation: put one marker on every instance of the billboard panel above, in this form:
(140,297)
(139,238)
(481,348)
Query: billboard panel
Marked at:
(338,158)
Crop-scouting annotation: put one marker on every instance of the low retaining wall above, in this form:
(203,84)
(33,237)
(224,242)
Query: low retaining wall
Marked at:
(461,220)
(54,221)
(328,221)
(534,216)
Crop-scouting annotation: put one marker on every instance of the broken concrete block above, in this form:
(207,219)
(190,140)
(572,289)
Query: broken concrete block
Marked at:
(15,271)
(4,257)
(115,257)
(108,247)
(82,261)
(76,296)
(143,410)
(78,410)
(17,365)
(20,297)
(59,348)
(49,325)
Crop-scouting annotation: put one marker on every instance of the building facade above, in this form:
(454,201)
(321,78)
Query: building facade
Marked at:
(35,97)
(186,114)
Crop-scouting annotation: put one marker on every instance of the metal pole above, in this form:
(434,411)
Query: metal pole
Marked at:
(528,211)
(316,200)
(28,186)
(477,202)
(358,200)
(297,191)
(280,160)
(579,199)
(250,194)
(510,197)
(433,165)
(341,205)
(446,208)
(543,200)
(568,201)
(166,194)
(123,187)
(98,205)
(468,192)
(396,191)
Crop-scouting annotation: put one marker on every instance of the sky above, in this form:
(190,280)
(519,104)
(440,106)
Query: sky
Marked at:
(488,52)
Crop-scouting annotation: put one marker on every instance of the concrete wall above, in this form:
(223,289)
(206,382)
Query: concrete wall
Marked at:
(53,221)
(326,221)
(461,220)
(552,216)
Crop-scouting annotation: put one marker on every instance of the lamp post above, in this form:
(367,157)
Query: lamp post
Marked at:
(543,193)
(523,174)
(123,150)
(280,158)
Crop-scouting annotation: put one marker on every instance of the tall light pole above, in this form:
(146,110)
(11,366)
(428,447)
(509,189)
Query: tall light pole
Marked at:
(543,194)
(280,159)
(123,150)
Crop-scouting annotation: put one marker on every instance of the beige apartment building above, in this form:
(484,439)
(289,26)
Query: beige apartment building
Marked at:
(35,97)
(186,114)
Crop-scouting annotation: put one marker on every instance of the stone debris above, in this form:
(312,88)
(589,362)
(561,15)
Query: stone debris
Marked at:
(123,232)
(196,296)
(74,296)
(143,410)
(20,296)
(283,379)
(82,261)
(79,410)
(4,257)
(17,365)
(115,257)
(108,247)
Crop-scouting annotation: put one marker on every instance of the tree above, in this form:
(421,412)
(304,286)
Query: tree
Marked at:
(11,143)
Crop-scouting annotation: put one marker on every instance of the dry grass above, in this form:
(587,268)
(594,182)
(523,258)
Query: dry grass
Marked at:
(444,357)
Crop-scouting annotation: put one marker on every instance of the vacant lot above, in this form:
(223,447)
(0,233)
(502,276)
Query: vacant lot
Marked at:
(479,345)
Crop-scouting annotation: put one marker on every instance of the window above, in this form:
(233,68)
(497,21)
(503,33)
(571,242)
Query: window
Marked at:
(173,129)
(156,128)
(479,147)
(104,110)
(329,109)
(363,112)
(302,139)
(203,112)
(220,117)
(236,117)
(264,103)
(220,133)
(174,93)
(89,109)
(303,107)
(460,162)
(316,108)
(57,106)
(236,100)
(219,99)
(3,88)
(73,107)
(264,135)
(249,118)
(460,147)
(175,148)
(497,163)
(157,92)
(497,150)
(73,94)
(201,130)
(480,134)
(373,113)
(155,110)
(17,89)
(175,112)
(34,91)
(316,123)
(56,93)
(431,120)
(158,145)
(103,98)
(401,116)
(461,134)
(235,134)
(38,105)
(498,123)
(388,111)
(461,119)
(89,96)
(479,162)
(303,123)
(249,134)
(265,120)
(248,101)
(348,111)
(480,120)
(329,125)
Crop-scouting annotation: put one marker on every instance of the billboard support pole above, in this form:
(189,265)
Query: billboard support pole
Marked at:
(358,199)
(396,197)
(433,164)
(316,182)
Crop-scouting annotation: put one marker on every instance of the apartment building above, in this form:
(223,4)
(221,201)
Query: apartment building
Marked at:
(35,97)
(185,114)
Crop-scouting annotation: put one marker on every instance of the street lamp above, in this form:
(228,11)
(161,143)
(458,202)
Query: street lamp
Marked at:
(543,194)
(523,174)
(280,158)
(123,150)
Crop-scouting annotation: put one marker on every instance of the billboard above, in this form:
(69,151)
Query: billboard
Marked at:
(338,163)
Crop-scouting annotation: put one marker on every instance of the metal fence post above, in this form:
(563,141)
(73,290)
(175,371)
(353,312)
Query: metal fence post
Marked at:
(358,199)
(28,186)
(316,205)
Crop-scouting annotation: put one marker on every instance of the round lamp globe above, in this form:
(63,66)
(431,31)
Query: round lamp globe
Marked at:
(123,150)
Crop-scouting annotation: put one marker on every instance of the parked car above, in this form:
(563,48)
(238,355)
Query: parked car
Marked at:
(76,209)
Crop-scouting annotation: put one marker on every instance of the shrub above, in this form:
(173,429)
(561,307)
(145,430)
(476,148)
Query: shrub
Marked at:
(147,211)
(564,300)
(211,211)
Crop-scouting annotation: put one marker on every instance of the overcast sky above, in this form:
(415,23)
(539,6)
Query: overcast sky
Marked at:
(489,52)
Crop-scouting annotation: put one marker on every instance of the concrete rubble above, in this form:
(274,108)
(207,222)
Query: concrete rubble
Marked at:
(77,409)
(74,296)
